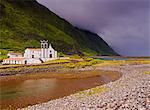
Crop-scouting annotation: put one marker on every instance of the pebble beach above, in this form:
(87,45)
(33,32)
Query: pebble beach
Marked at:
(130,92)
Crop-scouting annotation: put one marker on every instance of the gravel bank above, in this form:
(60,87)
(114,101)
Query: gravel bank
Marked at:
(30,70)
(130,92)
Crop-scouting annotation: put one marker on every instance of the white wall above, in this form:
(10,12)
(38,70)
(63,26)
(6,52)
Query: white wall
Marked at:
(53,52)
(36,53)
(14,56)
(33,61)
(44,53)
(13,62)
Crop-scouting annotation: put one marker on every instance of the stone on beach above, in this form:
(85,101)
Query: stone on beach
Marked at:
(130,92)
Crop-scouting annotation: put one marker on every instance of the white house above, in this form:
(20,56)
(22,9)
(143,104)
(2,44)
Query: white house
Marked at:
(14,61)
(14,58)
(12,54)
(32,55)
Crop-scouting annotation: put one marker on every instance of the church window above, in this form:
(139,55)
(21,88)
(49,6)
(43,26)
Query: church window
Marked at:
(45,46)
(42,46)
(32,56)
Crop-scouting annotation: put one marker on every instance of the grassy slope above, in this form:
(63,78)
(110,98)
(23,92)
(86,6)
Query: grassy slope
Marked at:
(24,23)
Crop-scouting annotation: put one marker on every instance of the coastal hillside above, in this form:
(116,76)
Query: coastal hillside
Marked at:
(25,22)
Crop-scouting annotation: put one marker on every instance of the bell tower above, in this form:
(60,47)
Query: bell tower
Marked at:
(44,48)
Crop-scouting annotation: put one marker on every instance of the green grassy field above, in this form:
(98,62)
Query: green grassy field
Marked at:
(25,22)
(75,62)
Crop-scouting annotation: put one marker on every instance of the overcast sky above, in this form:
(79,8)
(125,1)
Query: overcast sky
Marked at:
(123,24)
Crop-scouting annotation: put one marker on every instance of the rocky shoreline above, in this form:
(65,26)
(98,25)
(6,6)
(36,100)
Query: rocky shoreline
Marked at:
(130,92)
(30,70)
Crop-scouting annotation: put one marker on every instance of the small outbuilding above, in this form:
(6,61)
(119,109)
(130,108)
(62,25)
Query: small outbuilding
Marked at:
(14,61)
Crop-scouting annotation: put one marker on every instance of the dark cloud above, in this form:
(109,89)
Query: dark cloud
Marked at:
(124,24)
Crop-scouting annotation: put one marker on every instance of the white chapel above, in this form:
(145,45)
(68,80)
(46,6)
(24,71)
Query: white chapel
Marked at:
(32,55)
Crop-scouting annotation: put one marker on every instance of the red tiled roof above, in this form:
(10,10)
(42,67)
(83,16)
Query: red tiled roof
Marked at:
(34,49)
(15,53)
(18,59)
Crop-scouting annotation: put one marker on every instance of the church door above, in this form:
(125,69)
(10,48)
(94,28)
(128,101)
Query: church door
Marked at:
(25,62)
(50,55)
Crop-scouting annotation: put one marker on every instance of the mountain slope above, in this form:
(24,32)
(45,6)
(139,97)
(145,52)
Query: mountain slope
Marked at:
(25,22)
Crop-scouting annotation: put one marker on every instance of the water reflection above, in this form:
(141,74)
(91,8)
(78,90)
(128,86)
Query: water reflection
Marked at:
(27,87)
(21,93)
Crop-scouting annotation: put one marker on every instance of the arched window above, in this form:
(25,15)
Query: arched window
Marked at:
(32,56)
(42,46)
(45,45)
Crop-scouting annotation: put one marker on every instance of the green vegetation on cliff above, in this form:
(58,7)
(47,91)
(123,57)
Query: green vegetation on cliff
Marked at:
(25,22)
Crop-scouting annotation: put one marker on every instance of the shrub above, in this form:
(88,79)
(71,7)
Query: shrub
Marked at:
(61,54)
(92,91)
(3,54)
(57,61)
(70,65)
(88,59)
(95,61)
(147,72)
(81,64)
(75,57)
